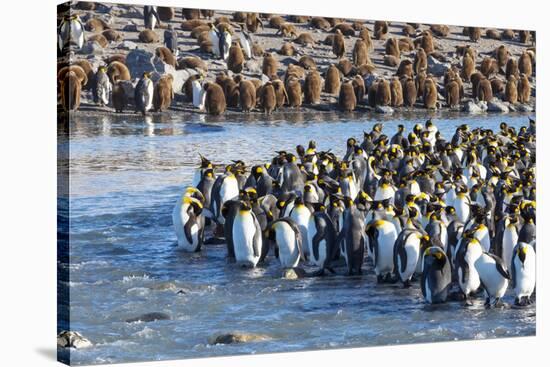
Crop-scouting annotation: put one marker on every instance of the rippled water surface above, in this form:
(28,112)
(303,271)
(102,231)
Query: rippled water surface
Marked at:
(126,174)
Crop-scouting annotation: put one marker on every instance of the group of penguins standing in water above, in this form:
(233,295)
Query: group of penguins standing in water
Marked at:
(459,212)
(347,79)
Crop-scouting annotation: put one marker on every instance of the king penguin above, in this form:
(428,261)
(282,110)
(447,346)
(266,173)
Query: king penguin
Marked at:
(407,252)
(467,254)
(102,88)
(247,236)
(523,273)
(70,33)
(225,188)
(300,214)
(494,277)
(382,236)
(199,94)
(150,17)
(352,238)
(214,35)
(143,94)
(321,240)
(225,44)
(246,43)
(288,240)
(436,275)
(188,223)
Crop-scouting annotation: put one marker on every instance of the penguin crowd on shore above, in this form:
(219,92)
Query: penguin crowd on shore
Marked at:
(458,215)
(346,79)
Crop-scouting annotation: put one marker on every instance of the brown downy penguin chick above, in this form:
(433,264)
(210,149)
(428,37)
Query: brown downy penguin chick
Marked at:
(524,89)
(307,63)
(383,93)
(347,101)
(420,61)
(88,70)
(380,29)
(512,68)
(96,25)
(332,80)
(295,70)
(452,93)
(166,55)
(338,44)
(281,97)
(525,64)
(440,30)
(166,13)
(493,34)
(405,44)
(187,87)
(71,87)
(371,94)
(163,93)
(405,69)
(346,29)
(287,49)
(475,78)
(235,60)
(468,67)
(190,14)
(392,48)
(508,34)
(363,70)
(360,53)
(419,82)
(119,97)
(365,36)
(206,47)
(430,94)
(345,66)
(247,95)
(396,91)
(474,33)
(118,71)
(359,88)
(488,67)
(304,39)
(100,39)
(117,57)
(270,65)
(484,90)
(501,54)
(253,22)
(497,86)
(328,40)
(148,36)
(312,88)
(511,90)
(268,100)
(189,25)
(319,23)
(276,21)
(408,30)
(294,91)
(409,92)
(111,35)
(524,36)
(231,91)
(427,42)
(391,60)
(215,99)
(257,49)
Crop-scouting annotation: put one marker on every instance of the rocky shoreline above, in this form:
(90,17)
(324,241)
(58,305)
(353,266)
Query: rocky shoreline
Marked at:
(125,22)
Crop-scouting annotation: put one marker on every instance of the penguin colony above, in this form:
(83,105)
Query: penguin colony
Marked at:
(457,217)
(316,73)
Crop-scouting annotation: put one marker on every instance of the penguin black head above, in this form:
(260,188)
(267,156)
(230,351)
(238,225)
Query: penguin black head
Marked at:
(351,142)
(205,163)
(193,203)
(377,127)
(400,128)
(312,144)
(521,251)
(435,254)
(244,206)
(208,173)
(300,150)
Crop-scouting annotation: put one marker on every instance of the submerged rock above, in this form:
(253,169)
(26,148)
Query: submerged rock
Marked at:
(72,339)
(150,317)
(384,109)
(294,273)
(234,338)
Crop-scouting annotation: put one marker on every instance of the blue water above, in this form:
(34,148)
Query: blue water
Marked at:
(126,174)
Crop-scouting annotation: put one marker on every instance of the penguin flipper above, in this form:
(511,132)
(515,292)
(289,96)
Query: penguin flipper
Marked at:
(513,270)
(257,241)
(500,266)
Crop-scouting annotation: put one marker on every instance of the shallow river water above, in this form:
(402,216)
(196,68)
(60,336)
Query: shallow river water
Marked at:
(125,176)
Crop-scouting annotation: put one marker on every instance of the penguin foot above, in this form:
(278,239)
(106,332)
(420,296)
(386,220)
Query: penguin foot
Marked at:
(379,279)
(332,271)
(498,303)
(407,284)
(487,303)
(387,278)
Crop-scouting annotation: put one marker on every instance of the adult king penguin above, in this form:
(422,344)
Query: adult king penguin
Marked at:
(188,221)
(288,239)
(71,33)
(382,236)
(247,236)
(352,238)
(436,275)
(103,87)
(143,94)
(150,17)
(225,44)
(494,277)
(523,273)
(321,240)
(407,253)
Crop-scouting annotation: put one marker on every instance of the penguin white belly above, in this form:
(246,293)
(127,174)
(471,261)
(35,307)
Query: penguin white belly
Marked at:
(428,289)
(525,275)
(462,209)
(509,241)
(494,283)
(245,44)
(179,219)
(472,283)
(199,96)
(226,46)
(215,43)
(77,35)
(384,194)
(443,237)
(289,254)
(412,249)
(148,95)
(483,237)
(301,216)
(415,188)
(243,240)
(386,241)
(229,189)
